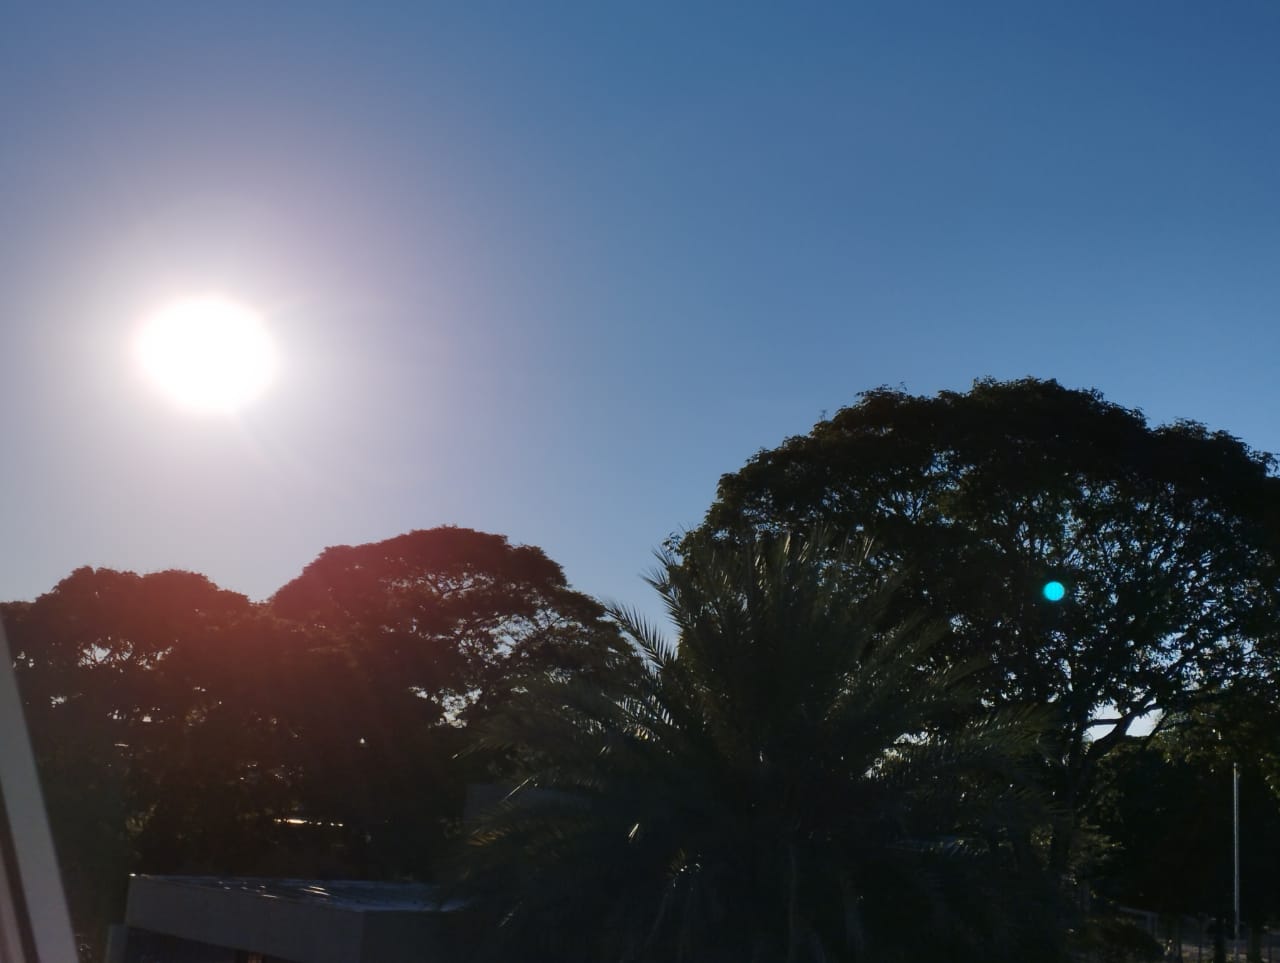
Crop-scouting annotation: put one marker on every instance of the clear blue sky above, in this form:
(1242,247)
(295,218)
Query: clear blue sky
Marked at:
(550,270)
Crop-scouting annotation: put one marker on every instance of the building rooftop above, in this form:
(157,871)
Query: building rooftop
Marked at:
(199,919)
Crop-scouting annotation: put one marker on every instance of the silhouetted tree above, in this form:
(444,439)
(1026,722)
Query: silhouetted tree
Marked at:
(1163,822)
(181,728)
(428,631)
(1165,540)
(93,658)
(1165,806)
(444,616)
(772,786)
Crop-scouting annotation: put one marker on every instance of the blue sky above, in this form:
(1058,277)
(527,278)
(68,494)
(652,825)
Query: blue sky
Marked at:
(551,269)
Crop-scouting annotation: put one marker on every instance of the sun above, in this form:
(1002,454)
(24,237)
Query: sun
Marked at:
(209,354)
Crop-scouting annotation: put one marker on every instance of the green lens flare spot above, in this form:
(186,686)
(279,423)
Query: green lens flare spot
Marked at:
(1054,591)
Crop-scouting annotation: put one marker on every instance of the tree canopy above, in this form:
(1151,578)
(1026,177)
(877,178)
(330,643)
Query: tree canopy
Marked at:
(109,667)
(180,727)
(873,715)
(1164,807)
(424,633)
(1165,540)
(442,616)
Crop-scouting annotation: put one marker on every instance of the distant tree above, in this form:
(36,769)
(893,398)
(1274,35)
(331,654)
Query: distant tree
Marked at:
(428,631)
(1165,807)
(181,728)
(445,615)
(1165,541)
(93,658)
(217,785)
(1167,827)
(774,785)
(87,647)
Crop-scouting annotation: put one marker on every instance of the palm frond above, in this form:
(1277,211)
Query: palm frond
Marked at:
(792,777)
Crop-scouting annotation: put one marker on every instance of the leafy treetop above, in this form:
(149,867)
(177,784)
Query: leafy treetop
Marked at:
(1167,541)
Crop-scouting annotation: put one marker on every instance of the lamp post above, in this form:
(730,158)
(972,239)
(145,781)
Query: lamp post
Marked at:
(1235,850)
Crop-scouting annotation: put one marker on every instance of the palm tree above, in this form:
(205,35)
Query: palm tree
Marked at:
(788,781)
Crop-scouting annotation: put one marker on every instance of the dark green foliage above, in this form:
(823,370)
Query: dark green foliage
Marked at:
(440,619)
(178,726)
(830,766)
(153,705)
(1169,828)
(1113,939)
(775,787)
(1165,804)
(426,633)
(1166,540)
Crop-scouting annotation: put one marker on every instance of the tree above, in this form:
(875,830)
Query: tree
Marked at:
(783,783)
(1164,539)
(180,728)
(1168,830)
(428,631)
(1165,805)
(94,660)
(444,615)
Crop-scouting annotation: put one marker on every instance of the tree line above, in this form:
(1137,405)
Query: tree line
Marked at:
(181,728)
(865,734)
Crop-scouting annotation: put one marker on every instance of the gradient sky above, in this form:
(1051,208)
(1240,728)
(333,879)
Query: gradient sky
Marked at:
(550,270)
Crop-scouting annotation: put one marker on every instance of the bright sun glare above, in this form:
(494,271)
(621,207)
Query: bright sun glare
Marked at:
(209,354)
